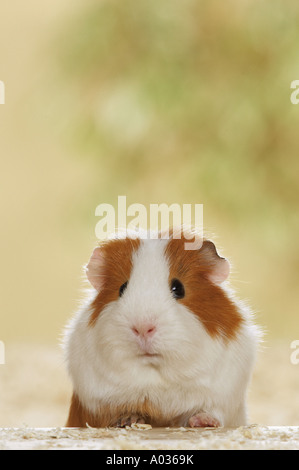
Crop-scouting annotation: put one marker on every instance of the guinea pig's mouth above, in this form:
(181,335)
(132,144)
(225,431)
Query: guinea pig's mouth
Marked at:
(149,355)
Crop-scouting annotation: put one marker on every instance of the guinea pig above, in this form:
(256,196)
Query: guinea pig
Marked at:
(160,338)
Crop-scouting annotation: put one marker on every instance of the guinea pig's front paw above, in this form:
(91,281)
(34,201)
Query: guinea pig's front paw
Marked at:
(203,420)
(129,420)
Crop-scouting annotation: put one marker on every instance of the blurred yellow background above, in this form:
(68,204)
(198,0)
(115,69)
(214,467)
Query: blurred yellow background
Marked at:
(174,102)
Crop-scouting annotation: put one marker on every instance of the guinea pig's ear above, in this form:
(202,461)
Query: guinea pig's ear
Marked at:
(217,268)
(94,269)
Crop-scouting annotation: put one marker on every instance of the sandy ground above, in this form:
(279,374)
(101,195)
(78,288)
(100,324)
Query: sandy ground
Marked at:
(35,392)
(252,437)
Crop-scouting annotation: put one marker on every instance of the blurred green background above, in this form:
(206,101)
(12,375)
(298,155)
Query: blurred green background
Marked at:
(164,102)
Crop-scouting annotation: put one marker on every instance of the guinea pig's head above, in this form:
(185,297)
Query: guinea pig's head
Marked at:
(157,301)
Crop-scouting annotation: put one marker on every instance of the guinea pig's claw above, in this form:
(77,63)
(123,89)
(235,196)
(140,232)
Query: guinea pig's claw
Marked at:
(129,420)
(203,420)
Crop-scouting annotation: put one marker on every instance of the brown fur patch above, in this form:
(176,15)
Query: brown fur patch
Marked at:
(115,271)
(110,415)
(216,311)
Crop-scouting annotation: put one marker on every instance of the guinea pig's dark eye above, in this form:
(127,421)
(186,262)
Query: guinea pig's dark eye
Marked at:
(122,288)
(177,289)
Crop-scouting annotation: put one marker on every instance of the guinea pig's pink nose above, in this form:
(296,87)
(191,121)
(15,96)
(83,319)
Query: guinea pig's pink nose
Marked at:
(145,331)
